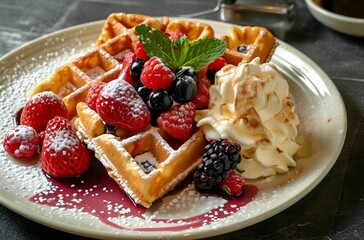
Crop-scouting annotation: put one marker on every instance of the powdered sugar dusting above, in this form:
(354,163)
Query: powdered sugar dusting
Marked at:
(18,74)
(63,140)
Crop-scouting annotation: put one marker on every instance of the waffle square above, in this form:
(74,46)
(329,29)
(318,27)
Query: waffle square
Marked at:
(72,81)
(256,41)
(123,24)
(119,153)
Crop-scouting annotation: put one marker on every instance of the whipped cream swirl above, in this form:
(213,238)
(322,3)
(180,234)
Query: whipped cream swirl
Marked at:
(250,104)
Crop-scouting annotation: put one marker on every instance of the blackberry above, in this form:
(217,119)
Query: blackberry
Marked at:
(219,158)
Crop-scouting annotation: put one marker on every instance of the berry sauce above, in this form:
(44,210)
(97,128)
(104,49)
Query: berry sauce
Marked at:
(99,195)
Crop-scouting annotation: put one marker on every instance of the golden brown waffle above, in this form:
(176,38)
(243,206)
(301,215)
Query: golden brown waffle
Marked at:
(117,149)
(193,30)
(72,81)
(124,24)
(118,155)
(257,41)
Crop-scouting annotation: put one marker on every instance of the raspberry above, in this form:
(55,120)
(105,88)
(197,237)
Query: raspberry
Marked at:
(125,71)
(140,51)
(232,184)
(41,108)
(202,98)
(178,121)
(219,158)
(174,35)
(93,93)
(63,154)
(156,75)
(21,141)
(217,64)
(119,105)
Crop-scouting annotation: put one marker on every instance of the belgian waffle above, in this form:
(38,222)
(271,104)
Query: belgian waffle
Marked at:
(118,149)
(252,41)
(143,180)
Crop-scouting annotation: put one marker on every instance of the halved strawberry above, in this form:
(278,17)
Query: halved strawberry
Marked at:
(41,108)
(125,71)
(119,105)
(178,121)
(63,154)
(140,51)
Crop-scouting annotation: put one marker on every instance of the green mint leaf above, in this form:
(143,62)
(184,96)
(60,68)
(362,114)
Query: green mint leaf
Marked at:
(203,52)
(156,44)
(179,52)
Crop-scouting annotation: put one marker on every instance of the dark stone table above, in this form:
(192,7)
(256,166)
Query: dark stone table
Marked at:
(333,210)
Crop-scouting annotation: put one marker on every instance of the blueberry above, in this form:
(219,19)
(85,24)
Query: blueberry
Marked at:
(144,93)
(154,116)
(183,89)
(136,69)
(189,71)
(160,101)
(242,48)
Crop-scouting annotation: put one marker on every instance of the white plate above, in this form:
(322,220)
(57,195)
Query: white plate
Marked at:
(323,122)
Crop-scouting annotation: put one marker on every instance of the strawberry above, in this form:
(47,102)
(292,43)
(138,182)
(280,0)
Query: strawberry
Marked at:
(156,75)
(125,71)
(178,121)
(41,138)
(93,93)
(63,154)
(21,141)
(233,184)
(120,105)
(41,108)
(202,98)
(140,51)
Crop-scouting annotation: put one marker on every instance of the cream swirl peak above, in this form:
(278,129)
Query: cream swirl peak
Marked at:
(250,104)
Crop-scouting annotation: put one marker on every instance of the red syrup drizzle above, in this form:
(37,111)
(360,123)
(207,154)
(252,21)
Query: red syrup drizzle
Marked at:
(98,194)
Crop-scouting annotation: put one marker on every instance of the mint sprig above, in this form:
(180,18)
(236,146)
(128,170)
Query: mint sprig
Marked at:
(179,52)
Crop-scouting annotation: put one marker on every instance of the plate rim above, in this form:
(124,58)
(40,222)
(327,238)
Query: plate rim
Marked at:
(84,231)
